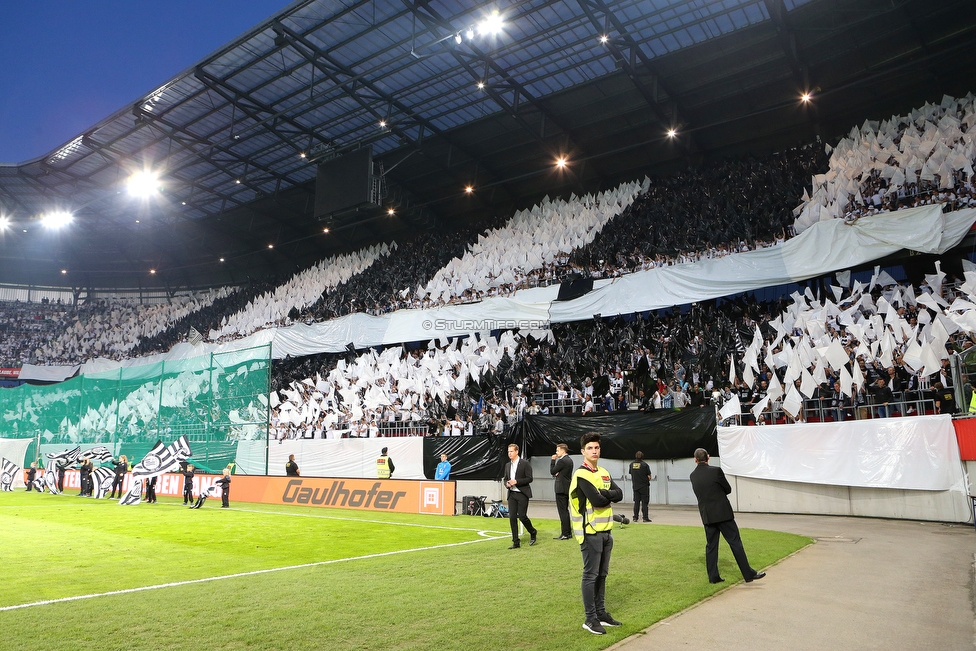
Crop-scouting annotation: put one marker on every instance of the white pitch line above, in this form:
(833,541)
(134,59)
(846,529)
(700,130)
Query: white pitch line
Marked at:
(176,584)
(335,517)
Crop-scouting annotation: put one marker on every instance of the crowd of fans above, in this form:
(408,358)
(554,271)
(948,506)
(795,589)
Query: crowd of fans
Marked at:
(922,158)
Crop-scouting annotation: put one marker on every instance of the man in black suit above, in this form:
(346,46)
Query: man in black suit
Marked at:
(561,468)
(712,490)
(518,476)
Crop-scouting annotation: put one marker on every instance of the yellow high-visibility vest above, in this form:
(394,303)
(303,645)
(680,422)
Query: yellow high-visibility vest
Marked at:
(382,468)
(590,520)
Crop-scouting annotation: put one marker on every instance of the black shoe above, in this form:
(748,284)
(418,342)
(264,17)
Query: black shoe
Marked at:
(594,627)
(607,619)
(758,576)
(562,538)
(516,546)
(531,541)
(718,580)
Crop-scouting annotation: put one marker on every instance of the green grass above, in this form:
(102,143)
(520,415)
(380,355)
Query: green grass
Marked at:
(477,595)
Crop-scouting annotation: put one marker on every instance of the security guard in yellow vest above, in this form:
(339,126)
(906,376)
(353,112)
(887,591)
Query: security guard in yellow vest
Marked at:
(384,465)
(590,494)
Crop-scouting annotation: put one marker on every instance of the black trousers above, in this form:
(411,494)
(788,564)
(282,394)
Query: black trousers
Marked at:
(60,472)
(596,548)
(117,483)
(730,531)
(562,507)
(518,509)
(225,498)
(641,496)
(188,493)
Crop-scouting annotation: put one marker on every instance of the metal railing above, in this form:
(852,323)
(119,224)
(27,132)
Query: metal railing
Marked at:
(826,410)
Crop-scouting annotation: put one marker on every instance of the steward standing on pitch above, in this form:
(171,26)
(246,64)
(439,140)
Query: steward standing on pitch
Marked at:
(640,476)
(590,494)
(384,465)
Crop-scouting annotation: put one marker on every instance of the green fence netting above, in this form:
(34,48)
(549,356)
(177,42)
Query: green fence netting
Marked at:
(216,400)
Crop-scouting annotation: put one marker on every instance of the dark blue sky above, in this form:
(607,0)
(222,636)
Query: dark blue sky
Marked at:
(66,65)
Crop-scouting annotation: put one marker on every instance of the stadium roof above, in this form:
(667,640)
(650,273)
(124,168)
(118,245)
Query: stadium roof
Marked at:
(445,104)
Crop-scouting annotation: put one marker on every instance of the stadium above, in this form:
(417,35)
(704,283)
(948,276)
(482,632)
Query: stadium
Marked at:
(364,239)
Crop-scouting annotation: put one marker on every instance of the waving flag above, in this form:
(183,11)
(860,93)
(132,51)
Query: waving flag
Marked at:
(65,458)
(102,479)
(8,472)
(210,492)
(100,453)
(50,480)
(134,496)
(161,459)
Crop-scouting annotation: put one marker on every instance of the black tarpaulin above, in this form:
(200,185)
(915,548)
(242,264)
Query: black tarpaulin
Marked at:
(662,434)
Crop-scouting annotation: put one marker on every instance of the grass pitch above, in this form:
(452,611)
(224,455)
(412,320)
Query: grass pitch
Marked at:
(276,577)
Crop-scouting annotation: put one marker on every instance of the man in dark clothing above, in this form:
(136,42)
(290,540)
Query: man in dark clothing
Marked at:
(291,468)
(712,490)
(640,476)
(188,485)
(517,478)
(945,399)
(121,467)
(561,468)
(882,397)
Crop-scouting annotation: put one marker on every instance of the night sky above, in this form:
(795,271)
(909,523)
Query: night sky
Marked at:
(66,65)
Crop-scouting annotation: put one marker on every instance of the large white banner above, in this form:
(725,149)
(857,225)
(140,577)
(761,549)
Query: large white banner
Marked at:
(917,453)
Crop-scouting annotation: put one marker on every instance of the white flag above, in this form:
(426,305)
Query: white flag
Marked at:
(731,408)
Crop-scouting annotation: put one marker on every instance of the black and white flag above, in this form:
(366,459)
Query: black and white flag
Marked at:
(50,480)
(102,479)
(65,458)
(213,491)
(100,453)
(194,336)
(8,473)
(160,459)
(134,496)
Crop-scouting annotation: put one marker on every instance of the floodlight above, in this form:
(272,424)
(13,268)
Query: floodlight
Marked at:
(481,85)
(604,38)
(560,162)
(491,25)
(805,97)
(4,223)
(468,189)
(469,33)
(457,38)
(672,133)
(143,184)
(56,219)
(391,212)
